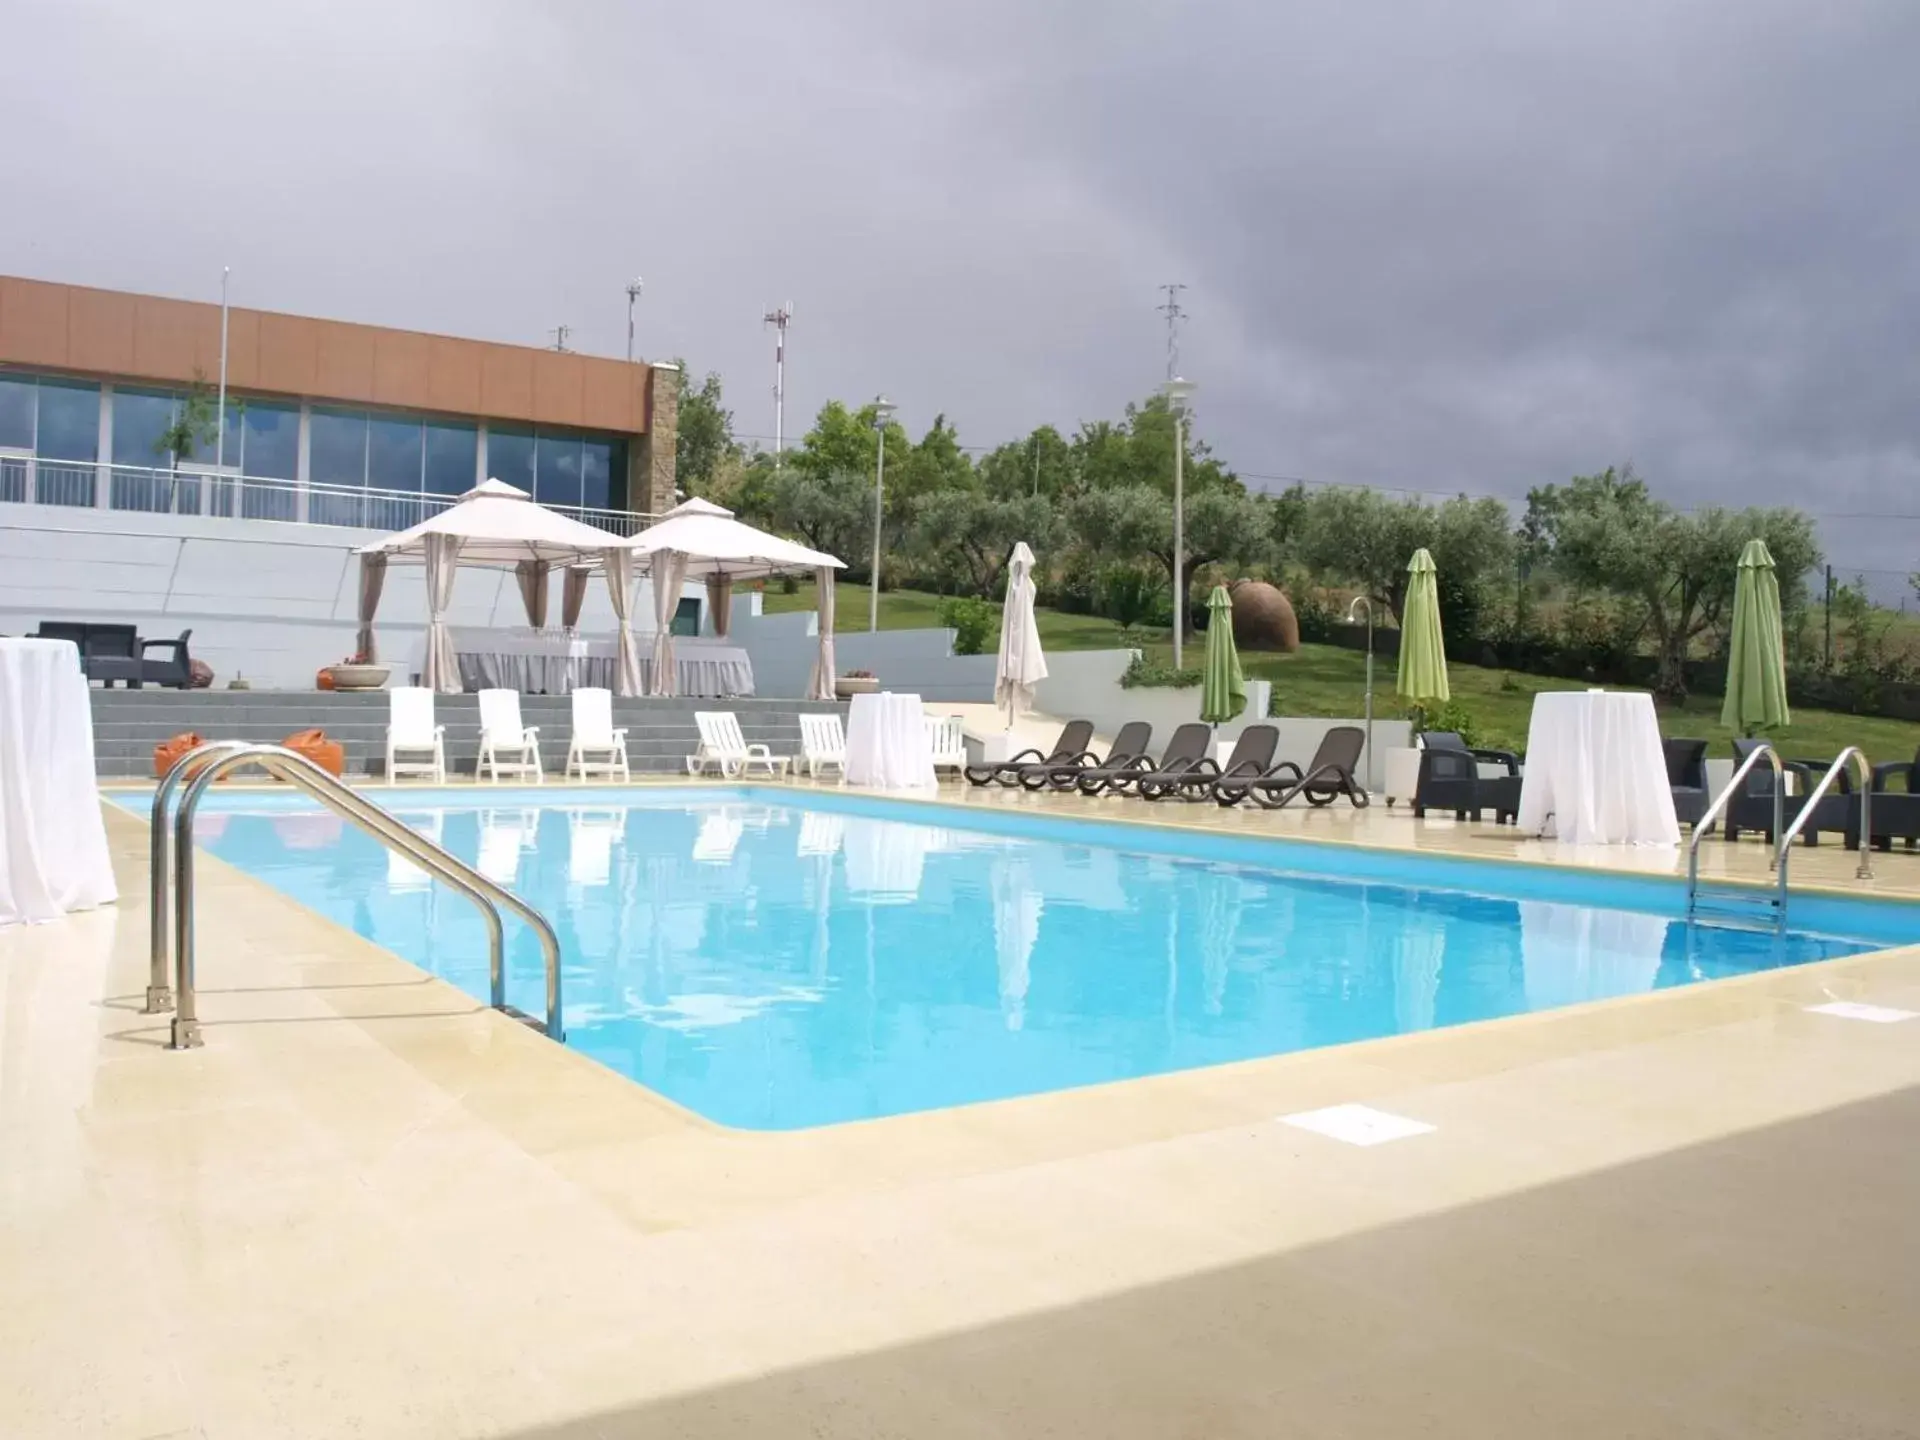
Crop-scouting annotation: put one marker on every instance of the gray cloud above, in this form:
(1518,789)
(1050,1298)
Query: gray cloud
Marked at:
(1430,246)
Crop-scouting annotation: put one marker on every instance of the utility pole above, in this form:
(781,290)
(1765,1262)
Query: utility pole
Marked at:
(560,333)
(633,298)
(779,319)
(1829,650)
(1171,309)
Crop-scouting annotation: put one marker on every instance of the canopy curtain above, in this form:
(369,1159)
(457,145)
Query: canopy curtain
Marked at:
(626,668)
(720,601)
(573,595)
(373,575)
(443,562)
(532,575)
(669,573)
(820,686)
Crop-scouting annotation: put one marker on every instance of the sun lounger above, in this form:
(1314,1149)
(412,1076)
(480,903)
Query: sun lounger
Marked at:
(411,730)
(1327,777)
(1195,780)
(1129,748)
(1122,769)
(1075,736)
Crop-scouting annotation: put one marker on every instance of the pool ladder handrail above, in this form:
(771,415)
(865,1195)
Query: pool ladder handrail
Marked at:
(1864,769)
(1764,750)
(215,760)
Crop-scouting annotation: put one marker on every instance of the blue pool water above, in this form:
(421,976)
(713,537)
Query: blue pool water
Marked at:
(773,964)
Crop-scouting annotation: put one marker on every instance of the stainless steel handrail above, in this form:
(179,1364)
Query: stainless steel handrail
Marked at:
(302,773)
(1865,771)
(159,994)
(1719,808)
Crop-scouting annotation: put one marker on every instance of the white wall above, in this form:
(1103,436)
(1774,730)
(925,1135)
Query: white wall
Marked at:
(1085,684)
(921,662)
(269,600)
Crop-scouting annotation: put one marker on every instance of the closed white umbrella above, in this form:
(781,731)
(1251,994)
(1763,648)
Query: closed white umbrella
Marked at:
(1022,665)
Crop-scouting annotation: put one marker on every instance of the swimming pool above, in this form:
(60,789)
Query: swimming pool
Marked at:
(776,960)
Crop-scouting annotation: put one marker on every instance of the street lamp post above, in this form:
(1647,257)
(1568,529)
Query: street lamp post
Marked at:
(1177,392)
(883,409)
(1353,617)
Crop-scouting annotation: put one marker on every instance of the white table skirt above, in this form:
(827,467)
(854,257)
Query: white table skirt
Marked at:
(1596,774)
(552,662)
(887,743)
(53,843)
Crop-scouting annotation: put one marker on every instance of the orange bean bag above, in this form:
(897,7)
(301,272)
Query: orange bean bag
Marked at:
(329,755)
(168,752)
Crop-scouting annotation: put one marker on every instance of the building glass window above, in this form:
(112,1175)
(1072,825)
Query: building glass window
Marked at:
(451,454)
(510,457)
(393,454)
(596,474)
(69,426)
(16,412)
(140,419)
(270,446)
(558,479)
(337,448)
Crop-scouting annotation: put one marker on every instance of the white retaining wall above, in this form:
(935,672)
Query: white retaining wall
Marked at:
(269,600)
(1085,684)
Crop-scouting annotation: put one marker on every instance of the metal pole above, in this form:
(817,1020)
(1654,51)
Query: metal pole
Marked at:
(220,419)
(1369,694)
(879,485)
(633,296)
(1179,531)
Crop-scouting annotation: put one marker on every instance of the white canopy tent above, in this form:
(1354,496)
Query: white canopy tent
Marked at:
(699,539)
(496,526)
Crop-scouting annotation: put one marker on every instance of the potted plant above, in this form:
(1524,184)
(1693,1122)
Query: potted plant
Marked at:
(856,682)
(356,672)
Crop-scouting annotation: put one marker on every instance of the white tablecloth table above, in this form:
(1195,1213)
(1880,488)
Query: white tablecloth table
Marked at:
(53,843)
(887,743)
(1596,774)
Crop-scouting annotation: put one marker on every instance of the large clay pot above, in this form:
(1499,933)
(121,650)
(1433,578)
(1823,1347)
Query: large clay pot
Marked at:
(1263,618)
(329,755)
(323,680)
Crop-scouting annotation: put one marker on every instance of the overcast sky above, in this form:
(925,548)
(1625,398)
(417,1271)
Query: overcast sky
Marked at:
(1439,245)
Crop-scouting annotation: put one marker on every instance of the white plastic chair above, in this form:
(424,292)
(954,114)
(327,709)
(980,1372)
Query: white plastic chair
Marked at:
(402,873)
(947,738)
(591,835)
(594,736)
(504,834)
(410,728)
(720,832)
(502,735)
(726,749)
(823,742)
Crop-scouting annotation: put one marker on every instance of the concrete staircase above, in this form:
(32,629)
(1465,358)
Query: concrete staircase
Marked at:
(128,724)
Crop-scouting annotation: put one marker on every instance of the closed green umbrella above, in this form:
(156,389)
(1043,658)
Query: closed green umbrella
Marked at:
(1423,652)
(1757,663)
(1223,689)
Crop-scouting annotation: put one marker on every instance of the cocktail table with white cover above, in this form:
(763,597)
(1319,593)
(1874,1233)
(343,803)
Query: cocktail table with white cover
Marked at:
(53,843)
(887,744)
(1596,774)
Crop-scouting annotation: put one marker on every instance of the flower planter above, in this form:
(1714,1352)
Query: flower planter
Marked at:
(358,677)
(847,686)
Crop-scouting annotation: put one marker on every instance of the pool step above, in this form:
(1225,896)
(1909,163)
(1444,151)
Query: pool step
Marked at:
(1738,907)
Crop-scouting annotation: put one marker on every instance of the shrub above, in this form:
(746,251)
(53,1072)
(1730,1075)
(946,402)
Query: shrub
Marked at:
(972,622)
(1129,596)
(1141,673)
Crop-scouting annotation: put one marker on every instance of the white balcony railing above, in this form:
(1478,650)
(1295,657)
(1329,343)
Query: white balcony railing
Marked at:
(84,484)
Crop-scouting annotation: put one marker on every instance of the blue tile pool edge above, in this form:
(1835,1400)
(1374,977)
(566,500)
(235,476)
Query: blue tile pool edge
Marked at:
(1889,921)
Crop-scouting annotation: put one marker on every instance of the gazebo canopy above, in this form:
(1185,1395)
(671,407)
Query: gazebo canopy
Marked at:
(717,544)
(498,525)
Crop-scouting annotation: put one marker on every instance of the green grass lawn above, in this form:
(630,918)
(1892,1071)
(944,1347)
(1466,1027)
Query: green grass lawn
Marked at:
(1329,680)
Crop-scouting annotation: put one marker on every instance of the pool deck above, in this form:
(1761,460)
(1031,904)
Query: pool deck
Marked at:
(370,1207)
